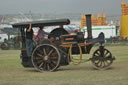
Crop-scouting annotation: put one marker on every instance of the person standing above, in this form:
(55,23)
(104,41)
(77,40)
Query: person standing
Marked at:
(41,35)
(29,40)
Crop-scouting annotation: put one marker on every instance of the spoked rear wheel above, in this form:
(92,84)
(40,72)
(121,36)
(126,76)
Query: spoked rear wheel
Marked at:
(46,58)
(102,62)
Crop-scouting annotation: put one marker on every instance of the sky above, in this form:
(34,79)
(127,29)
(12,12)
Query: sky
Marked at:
(61,6)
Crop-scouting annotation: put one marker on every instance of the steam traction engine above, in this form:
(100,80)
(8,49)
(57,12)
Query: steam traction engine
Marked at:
(52,54)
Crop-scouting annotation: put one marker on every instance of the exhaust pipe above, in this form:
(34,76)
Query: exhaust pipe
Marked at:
(89,26)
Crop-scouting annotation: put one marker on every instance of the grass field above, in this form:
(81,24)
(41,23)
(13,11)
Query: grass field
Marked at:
(12,72)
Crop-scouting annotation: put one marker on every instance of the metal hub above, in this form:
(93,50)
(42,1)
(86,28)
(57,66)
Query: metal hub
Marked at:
(46,58)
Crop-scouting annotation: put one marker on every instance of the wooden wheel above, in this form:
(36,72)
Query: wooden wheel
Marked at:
(4,46)
(102,62)
(46,58)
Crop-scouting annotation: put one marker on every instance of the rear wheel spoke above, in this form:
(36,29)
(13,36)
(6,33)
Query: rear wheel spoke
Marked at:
(39,55)
(41,65)
(39,61)
(50,52)
(47,67)
(44,51)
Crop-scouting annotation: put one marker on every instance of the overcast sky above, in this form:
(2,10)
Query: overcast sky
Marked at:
(61,6)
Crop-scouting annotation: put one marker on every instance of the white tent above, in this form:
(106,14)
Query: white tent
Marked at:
(109,31)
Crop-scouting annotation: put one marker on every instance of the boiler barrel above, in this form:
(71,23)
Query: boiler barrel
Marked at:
(42,23)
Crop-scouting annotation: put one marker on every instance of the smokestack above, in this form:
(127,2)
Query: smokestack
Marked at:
(89,26)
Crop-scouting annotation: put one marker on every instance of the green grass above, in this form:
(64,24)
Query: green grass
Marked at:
(12,72)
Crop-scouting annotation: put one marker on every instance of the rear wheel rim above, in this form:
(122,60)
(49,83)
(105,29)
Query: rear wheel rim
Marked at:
(46,58)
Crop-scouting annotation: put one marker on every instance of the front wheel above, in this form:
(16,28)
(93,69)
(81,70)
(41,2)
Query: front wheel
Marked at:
(46,58)
(102,60)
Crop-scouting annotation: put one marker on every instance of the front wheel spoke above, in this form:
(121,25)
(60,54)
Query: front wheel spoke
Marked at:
(108,54)
(104,63)
(96,57)
(97,53)
(105,53)
(97,63)
(108,57)
(108,62)
(100,64)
